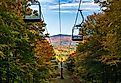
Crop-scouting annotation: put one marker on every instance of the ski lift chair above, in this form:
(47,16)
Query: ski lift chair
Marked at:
(32,11)
(77,33)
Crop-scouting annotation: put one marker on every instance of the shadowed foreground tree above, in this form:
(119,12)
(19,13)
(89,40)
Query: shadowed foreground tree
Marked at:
(99,58)
(18,63)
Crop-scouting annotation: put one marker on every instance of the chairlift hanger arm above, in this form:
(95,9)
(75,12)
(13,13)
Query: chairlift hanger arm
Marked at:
(75,35)
(80,25)
(79,11)
(82,16)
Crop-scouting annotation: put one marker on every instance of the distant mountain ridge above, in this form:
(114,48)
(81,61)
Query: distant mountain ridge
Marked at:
(65,43)
(64,39)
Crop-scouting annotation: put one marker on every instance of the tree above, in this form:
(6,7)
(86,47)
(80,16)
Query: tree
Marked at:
(17,46)
(99,55)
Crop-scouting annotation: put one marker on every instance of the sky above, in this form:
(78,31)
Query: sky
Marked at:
(69,8)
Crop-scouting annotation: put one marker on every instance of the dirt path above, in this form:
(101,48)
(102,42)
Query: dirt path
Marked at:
(68,78)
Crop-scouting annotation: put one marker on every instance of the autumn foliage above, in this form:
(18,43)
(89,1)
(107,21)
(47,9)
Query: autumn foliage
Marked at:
(43,50)
(99,59)
(20,45)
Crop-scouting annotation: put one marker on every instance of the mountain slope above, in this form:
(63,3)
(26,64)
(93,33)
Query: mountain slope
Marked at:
(62,39)
(63,42)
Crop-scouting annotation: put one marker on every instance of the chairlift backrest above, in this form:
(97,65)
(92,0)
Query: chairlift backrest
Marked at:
(32,11)
(77,34)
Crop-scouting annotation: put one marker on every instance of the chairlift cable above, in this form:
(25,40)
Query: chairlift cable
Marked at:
(77,12)
(46,29)
(49,36)
(60,20)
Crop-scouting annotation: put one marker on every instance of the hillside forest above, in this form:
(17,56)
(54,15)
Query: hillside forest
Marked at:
(98,57)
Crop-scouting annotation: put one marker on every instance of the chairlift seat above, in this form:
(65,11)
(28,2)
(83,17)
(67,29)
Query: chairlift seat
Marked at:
(77,38)
(32,19)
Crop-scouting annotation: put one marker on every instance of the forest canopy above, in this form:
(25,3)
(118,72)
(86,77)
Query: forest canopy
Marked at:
(19,61)
(98,57)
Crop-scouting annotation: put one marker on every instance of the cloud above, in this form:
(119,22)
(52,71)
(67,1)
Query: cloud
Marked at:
(44,1)
(74,6)
(69,5)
